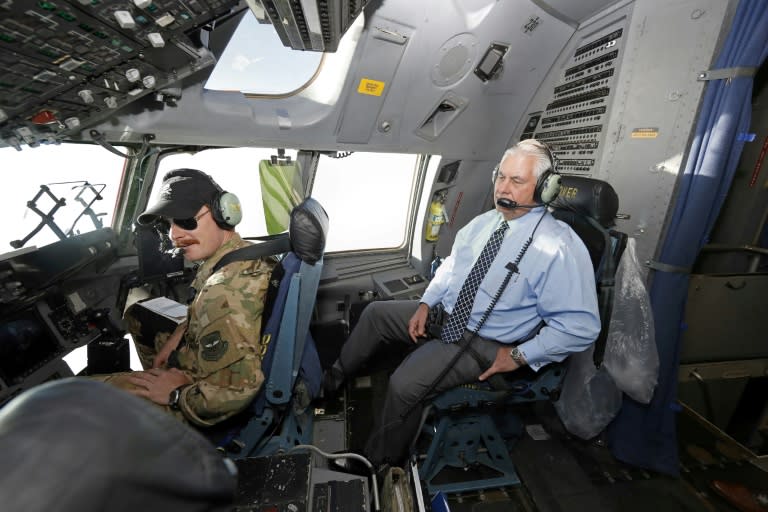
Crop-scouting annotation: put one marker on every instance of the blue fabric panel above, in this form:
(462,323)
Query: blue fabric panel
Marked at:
(280,383)
(645,435)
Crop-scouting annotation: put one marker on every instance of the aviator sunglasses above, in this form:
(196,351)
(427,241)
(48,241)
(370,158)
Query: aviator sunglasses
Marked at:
(189,224)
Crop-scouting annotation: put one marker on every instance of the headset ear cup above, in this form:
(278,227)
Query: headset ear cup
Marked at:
(226,210)
(550,188)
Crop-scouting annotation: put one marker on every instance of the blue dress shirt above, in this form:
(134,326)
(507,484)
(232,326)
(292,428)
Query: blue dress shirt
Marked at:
(556,283)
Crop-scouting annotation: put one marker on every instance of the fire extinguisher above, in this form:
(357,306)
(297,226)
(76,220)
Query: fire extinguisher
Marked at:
(436,217)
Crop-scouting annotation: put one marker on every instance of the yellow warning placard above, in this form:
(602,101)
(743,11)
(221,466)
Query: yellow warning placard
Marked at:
(370,87)
(645,133)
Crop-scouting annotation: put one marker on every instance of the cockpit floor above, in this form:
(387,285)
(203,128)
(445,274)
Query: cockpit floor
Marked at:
(564,473)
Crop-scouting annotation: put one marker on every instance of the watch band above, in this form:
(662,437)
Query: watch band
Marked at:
(175,397)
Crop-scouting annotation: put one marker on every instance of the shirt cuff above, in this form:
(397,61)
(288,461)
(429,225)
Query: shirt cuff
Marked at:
(429,299)
(534,356)
(186,407)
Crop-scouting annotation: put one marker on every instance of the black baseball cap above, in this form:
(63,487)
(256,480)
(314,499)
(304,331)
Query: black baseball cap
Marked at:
(183,193)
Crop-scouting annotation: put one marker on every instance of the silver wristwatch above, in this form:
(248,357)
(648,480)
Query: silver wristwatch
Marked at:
(517,356)
(173,399)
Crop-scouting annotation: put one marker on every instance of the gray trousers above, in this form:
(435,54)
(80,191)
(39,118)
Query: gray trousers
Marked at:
(386,323)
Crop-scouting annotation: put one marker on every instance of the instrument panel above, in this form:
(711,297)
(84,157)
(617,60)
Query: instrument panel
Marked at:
(52,300)
(67,64)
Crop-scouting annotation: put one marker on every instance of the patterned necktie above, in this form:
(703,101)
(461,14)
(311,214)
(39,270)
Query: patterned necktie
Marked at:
(454,328)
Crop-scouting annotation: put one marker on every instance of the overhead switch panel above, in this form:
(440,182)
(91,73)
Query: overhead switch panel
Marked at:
(312,25)
(82,59)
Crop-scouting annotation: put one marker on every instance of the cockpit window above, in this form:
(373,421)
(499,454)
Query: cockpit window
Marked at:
(236,170)
(256,62)
(367,197)
(65,189)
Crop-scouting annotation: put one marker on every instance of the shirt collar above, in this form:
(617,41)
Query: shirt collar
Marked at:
(230,245)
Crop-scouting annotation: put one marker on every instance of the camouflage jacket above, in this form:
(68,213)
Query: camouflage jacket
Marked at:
(223,348)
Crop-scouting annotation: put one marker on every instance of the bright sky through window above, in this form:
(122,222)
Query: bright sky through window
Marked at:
(255,61)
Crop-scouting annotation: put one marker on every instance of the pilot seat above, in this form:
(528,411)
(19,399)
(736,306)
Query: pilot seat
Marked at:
(279,417)
(468,430)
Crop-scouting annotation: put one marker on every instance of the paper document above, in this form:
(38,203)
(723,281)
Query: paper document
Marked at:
(168,308)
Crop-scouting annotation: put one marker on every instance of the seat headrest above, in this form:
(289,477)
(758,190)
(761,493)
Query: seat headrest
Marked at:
(308,230)
(588,196)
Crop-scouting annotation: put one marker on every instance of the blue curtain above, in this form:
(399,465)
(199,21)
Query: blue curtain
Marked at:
(645,435)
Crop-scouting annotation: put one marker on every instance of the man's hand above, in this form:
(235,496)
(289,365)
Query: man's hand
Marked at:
(156,385)
(161,359)
(418,322)
(502,363)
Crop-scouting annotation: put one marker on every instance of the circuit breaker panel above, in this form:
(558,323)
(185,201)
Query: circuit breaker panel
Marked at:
(574,121)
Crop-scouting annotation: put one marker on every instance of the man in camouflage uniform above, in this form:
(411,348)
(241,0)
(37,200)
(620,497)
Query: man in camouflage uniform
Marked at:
(209,368)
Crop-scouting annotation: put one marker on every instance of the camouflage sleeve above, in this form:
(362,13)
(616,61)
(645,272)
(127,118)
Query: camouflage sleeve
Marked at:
(224,354)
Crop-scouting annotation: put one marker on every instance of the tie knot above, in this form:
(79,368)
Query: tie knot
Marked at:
(504,226)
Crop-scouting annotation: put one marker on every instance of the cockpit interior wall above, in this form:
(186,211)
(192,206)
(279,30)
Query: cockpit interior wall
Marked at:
(602,108)
(708,173)
(461,185)
(582,75)
(441,42)
(606,114)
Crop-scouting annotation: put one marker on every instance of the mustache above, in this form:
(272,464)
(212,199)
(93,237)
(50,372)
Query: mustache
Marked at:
(175,247)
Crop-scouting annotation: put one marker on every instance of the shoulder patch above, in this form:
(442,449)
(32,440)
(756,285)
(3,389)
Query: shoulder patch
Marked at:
(212,346)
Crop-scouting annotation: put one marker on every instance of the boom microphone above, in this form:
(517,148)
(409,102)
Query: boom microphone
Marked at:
(509,204)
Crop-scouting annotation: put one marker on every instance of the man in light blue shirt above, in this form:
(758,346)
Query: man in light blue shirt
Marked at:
(550,301)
